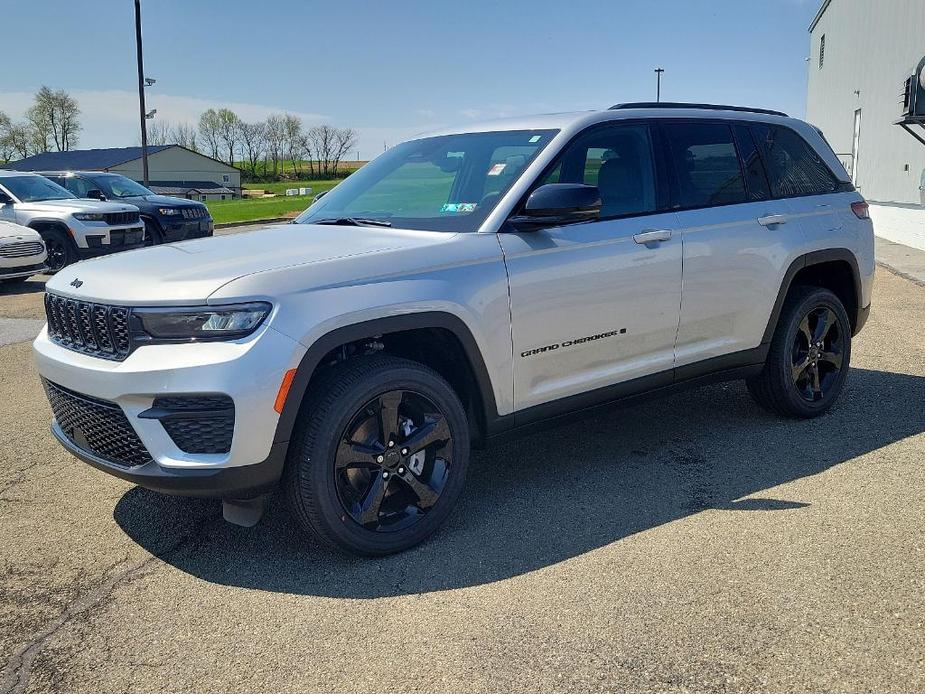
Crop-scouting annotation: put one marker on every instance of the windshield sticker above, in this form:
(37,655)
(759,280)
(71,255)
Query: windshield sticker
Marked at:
(496,169)
(535,138)
(458,207)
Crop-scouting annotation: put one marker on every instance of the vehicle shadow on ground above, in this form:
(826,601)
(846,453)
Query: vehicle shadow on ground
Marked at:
(33,285)
(557,494)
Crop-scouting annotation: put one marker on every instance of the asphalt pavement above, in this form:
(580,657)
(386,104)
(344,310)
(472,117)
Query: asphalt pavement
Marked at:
(694,543)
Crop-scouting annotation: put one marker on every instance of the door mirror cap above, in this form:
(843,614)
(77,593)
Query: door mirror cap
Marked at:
(556,204)
(96,194)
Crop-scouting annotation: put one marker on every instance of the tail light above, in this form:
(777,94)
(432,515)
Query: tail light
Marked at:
(861,210)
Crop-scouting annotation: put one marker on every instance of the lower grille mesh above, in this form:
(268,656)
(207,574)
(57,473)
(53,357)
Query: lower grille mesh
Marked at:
(96,426)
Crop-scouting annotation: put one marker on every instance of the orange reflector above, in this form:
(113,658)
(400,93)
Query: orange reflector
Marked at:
(284,391)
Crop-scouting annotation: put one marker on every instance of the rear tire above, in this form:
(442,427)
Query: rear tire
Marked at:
(809,357)
(346,485)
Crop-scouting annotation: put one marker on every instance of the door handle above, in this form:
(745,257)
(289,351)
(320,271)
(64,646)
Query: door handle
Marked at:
(652,236)
(772,220)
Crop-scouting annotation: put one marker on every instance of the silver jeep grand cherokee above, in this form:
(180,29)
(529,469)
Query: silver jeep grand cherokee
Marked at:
(72,228)
(462,285)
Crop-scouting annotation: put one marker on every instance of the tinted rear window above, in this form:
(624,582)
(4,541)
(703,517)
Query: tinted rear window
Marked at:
(793,166)
(706,164)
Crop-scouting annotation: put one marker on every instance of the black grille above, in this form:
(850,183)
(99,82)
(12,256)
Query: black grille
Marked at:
(196,423)
(194,212)
(21,249)
(122,217)
(96,426)
(95,329)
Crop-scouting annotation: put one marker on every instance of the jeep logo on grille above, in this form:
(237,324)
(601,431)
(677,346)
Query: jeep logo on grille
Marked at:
(77,284)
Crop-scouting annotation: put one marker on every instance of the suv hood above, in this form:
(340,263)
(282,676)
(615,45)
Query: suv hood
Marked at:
(165,200)
(74,205)
(188,272)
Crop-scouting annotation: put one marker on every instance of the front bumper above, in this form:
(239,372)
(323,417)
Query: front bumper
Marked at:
(243,482)
(9,273)
(248,371)
(93,242)
(185,229)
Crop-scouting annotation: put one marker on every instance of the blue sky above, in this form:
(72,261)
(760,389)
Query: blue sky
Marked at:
(394,68)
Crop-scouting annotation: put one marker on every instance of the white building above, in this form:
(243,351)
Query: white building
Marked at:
(861,53)
(169,166)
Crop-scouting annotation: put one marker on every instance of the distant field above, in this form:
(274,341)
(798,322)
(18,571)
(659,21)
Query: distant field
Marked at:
(280,187)
(250,209)
(286,167)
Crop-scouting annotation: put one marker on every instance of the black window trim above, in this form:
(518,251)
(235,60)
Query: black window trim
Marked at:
(659,158)
(743,164)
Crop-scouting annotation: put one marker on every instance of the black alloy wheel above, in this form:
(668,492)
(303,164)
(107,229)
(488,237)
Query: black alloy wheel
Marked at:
(809,357)
(817,355)
(60,250)
(379,456)
(393,461)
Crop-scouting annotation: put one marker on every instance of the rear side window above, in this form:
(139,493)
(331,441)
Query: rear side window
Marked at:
(755,179)
(706,164)
(794,167)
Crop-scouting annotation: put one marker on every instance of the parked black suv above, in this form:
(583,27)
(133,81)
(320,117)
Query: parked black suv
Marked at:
(166,218)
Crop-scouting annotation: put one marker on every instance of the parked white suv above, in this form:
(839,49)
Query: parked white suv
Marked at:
(22,253)
(72,228)
(463,285)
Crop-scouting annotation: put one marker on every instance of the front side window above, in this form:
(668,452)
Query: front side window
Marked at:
(706,164)
(618,160)
(794,167)
(34,188)
(78,186)
(446,183)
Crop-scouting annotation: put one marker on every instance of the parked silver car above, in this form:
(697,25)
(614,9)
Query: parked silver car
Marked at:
(72,228)
(463,285)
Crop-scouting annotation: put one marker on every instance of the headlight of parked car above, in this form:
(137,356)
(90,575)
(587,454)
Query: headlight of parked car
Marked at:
(90,216)
(168,211)
(202,323)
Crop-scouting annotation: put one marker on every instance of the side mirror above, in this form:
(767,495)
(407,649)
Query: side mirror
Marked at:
(96,194)
(556,204)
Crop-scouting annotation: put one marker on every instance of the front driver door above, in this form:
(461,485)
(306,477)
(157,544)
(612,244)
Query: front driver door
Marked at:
(597,304)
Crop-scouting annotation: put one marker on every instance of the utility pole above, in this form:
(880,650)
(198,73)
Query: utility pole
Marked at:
(141,93)
(658,83)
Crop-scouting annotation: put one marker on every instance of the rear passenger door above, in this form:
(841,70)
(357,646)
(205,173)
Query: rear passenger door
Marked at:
(736,238)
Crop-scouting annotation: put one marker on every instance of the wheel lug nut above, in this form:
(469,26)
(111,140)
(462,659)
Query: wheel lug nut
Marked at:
(404,451)
(391,444)
(380,458)
(385,475)
(401,471)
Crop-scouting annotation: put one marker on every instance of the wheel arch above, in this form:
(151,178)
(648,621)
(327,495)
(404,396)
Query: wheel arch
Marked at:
(835,269)
(457,358)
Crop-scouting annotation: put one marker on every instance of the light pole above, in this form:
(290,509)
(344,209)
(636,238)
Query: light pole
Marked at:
(658,84)
(141,93)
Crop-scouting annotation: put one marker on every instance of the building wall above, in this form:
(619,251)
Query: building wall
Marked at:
(177,164)
(870,46)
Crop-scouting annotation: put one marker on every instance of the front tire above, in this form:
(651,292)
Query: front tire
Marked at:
(809,357)
(153,235)
(380,456)
(61,250)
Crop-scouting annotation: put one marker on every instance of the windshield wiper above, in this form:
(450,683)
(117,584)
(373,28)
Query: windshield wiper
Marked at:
(354,222)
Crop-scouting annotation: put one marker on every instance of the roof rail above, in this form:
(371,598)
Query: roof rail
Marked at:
(708,107)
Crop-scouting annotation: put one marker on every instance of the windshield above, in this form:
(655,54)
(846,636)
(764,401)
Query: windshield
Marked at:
(115,186)
(447,183)
(34,188)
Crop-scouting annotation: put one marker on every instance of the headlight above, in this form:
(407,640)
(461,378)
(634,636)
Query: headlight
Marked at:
(90,216)
(202,323)
(168,211)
